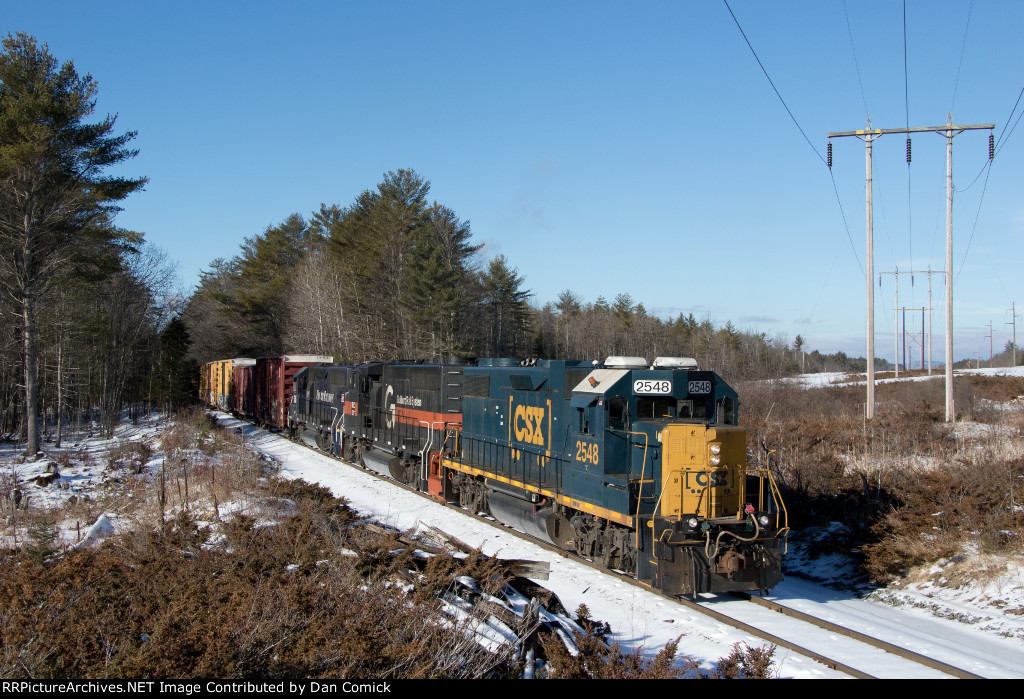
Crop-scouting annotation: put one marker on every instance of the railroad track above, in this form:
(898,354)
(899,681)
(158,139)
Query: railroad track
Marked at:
(859,659)
(775,623)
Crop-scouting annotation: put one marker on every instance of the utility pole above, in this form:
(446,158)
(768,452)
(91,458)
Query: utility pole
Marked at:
(913,336)
(1013,321)
(870,135)
(990,344)
(903,342)
(895,320)
(896,324)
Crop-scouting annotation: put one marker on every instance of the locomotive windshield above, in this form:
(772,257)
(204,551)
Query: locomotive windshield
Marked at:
(693,409)
(658,407)
(668,407)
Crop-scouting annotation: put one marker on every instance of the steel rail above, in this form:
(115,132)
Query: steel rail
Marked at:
(862,637)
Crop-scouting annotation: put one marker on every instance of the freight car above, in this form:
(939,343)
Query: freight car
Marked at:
(217,380)
(640,466)
(242,397)
(272,386)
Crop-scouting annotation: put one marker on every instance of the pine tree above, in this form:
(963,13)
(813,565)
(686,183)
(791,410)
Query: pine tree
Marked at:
(55,201)
(506,304)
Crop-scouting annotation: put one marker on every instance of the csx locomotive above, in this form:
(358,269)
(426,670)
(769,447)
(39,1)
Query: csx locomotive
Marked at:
(640,466)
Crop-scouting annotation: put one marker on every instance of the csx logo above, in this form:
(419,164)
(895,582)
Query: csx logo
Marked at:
(717,479)
(528,424)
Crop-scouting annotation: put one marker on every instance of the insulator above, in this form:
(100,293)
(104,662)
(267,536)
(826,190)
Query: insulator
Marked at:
(830,155)
(991,146)
(908,151)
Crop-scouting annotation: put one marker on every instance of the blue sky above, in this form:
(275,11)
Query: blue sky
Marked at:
(603,147)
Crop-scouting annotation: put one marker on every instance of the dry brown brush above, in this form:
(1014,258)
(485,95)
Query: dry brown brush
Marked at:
(911,488)
(268,600)
(596,659)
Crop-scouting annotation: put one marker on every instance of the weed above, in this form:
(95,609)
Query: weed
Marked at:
(748,663)
(596,659)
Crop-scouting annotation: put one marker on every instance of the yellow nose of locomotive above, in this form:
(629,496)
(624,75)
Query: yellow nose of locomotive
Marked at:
(703,471)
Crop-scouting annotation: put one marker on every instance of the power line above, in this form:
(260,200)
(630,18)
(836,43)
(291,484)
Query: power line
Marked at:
(824,284)
(906,82)
(1012,129)
(999,141)
(977,177)
(846,225)
(906,103)
(856,65)
(799,128)
(777,94)
(975,227)
(963,46)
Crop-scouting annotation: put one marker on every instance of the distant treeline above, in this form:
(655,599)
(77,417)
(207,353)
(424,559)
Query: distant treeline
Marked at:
(1010,356)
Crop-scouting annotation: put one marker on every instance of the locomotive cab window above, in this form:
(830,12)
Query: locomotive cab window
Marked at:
(693,409)
(654,408)
(582,405)
(725,411)
(618,413)
(583,425)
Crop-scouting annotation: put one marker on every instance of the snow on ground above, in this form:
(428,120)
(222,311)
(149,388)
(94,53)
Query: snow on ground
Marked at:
(75,474)
(637,617)
(974,619)
(840,378)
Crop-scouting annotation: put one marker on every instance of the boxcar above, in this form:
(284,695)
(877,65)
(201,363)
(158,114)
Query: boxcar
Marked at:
(272,388)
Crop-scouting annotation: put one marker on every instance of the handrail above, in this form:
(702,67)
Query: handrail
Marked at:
(334,420)
(640,490)
(425,451)
(504,458)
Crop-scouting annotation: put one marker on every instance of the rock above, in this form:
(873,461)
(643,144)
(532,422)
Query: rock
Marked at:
(46,479)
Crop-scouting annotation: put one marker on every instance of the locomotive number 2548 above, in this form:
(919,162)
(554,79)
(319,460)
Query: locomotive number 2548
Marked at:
(587,452)
(662,387)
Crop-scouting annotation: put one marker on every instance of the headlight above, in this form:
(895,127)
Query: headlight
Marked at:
(763,520)
(715,459)
(692,522)
(716,448)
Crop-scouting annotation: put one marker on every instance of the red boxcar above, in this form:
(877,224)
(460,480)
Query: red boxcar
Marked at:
(243,387)
(272,380)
